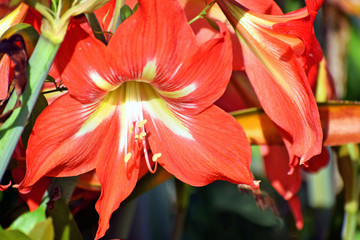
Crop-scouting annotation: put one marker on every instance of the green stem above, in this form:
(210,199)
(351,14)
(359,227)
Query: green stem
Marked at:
(116,20)
(38,68)
(348,166)
(95,26)
(203,13)
(182,197)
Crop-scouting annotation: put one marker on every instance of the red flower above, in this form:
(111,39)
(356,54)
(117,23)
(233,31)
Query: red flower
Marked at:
(276,50)
(150,88)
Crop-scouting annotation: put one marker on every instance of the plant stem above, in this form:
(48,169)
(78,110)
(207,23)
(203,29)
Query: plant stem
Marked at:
(38,68)
(182,197)
(348,166)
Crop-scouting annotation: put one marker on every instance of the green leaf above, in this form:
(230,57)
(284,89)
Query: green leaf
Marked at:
(26,222)
(40,105)
(125,12)
(43,230)
(11,130)
(13,235)
(64,224)
(353,86)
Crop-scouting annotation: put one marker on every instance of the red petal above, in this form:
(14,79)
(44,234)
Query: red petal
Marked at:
(202,148)
(54,149)
(296,113)
(202,81)
(275,71)
(117,180)
(239,94)
(146,37)
(318,162)
(204,31)
(314,5)
(33,18)
(261,6)
(35,196)
(82,64)
(4,76)
(295,207)
(276,159)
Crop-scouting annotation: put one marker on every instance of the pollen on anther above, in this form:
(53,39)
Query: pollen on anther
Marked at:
(142,135)
(156,156)
(131,129)
(127,157)
(142,123)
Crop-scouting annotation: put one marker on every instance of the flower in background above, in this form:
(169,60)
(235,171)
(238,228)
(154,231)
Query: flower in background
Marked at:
(145,98)
(276,50)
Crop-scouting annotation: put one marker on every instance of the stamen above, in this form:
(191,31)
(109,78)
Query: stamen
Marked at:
(142,135)
(146,155)
(142,123)
(131,129)
(127,157)
(156,156)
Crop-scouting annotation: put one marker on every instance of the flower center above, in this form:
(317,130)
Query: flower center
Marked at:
(133,133)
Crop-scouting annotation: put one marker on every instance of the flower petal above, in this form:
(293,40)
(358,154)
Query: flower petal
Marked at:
(4,76)
(63,142)
(295,114)
(275,69)
(157,47)
(317,162)
(198,83)
(276,160)
(82,64)
(199,149)
(116,176)
(239,94)
(295,207)
(204,31)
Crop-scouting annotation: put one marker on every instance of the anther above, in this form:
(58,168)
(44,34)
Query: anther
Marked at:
(156,156)
(142,135)
(142,123)
(127,157)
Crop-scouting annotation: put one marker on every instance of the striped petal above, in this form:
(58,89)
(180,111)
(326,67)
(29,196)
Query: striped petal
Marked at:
(198,83)
(275,69)
(155,46)
(204,31)
(117,178)
(65,140)
(4,76)
(201,148)
(82,64)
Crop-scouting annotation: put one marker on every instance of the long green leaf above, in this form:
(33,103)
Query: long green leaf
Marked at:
(10,131)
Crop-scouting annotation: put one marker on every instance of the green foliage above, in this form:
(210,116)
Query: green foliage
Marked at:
(64,224)
(26,222)
(13,235)
(40,105)
(43,230)
(125,12)
(353,88)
